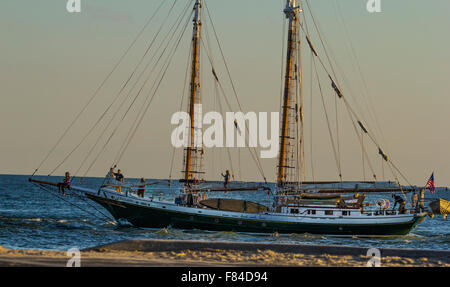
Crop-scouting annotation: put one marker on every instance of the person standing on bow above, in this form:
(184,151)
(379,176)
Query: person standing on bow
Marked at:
(119,176)
(64,184)
(119,179)
(110,178)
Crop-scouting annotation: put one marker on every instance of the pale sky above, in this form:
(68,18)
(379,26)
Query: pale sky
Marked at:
(52,61)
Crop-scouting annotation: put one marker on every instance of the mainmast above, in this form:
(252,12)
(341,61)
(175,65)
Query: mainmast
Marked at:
(287,161)
(194,151)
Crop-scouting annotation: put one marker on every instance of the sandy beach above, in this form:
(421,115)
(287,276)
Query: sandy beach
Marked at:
(174,253)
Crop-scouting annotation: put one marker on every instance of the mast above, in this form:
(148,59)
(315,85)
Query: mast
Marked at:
(194,151)
(287,162)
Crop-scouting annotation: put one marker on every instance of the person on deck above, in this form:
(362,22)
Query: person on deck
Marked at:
(119,176)
(422,200)
(64,184)
(141,189)
(400,201)
(110,174)
(226,177)
(119,179)
(110,178)
(414,201)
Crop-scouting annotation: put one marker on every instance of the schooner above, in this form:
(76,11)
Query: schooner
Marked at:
(295,208)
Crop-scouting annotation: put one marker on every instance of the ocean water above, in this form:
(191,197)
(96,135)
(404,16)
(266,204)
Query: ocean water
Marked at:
(33,218)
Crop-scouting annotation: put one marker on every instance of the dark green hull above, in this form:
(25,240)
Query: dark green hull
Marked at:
(142,216)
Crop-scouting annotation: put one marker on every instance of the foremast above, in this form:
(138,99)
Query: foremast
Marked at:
(291,108)
(194,151)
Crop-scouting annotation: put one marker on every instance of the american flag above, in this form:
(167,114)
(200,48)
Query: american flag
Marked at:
(430,184)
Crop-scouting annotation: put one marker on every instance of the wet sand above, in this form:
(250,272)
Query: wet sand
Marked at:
(180,253)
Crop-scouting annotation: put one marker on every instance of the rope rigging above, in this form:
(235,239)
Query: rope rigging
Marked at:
(256,159)
(221,89)
(116,113)
(154,65)
(162,72)
(299,116)
(208,50)
(156,86)
(99,88)
(181,105)
(336,151)
(335,86)
(365,91)
(115,99)
(311,119)
(328,121)
(51,192)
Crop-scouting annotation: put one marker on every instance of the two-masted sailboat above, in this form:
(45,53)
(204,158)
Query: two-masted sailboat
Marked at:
(294,209)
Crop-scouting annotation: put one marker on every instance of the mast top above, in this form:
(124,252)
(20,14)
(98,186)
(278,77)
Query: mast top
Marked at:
(292,9)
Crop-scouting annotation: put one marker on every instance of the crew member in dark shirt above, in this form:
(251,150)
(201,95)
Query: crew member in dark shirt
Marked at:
(398,199)
(119,176)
